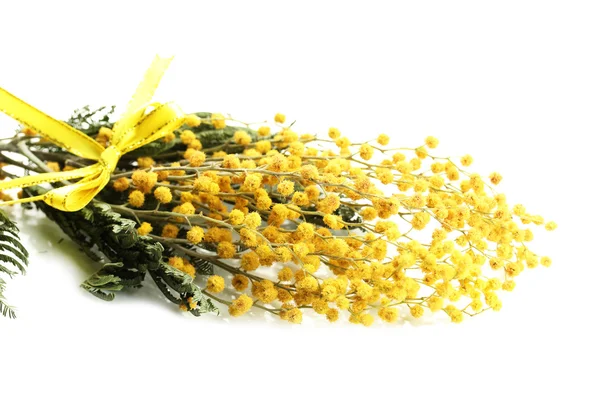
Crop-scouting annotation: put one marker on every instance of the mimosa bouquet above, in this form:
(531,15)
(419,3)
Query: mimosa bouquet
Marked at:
(219,214)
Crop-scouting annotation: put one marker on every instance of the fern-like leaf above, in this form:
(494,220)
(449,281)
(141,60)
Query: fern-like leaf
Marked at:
(12,255)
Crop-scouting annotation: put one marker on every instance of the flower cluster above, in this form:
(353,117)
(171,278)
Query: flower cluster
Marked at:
(348,230)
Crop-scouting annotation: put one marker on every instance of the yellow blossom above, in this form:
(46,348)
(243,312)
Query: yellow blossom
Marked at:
(285,187)
(279,118)
(170,231)
(240,306)
(431,142)
(163,195)
(236,217)
(195,235)
(226,250)
(294,315)
(388,314)
(240,282)
(192,120)
(121,184)
(136,198)
(383,139)
(215,284)
(144,229)
(334,133)
(264,131)
(218,120)
(242,137)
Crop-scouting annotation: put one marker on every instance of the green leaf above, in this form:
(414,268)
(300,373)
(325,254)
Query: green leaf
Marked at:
(14,254)
(152,149)
(99,293)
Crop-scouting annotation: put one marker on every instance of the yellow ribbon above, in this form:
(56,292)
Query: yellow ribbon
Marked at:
(142,123)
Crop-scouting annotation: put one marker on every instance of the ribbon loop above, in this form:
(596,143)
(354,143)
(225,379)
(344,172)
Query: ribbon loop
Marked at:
(134,129)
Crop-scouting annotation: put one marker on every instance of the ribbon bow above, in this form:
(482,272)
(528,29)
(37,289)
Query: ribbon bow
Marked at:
(142,123)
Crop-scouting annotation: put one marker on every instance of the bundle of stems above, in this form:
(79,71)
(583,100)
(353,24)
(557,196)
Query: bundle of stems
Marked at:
(258,216)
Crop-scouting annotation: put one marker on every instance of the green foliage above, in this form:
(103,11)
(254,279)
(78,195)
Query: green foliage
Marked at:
(152,149)
(89,121)
(204,267)
(106,235)
(11,252)
(219,138)
(348,214)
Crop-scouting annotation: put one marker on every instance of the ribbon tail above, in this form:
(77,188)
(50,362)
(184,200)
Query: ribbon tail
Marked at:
(48,177)
(142,96)
(89,174)
(23,200)
(56,131)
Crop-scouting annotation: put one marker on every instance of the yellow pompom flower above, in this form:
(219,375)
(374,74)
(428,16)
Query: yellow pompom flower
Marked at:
(169,137)
(466,160)
(342,302)
(279,118)
(366,151)
(144,229)
(121,184)
(431,142)
(383,139)
(240,306)
(104,134)
(342,142)
(240,282)
(252,220)
(187,137)
(197,158)
(300,199)
(226,250)
(136,198)
(192,120)
(145,162)
(285,187)
(421,152)
(508,286)
(366,319)
(144,181)
(495,178)
(264,291)
(435,303)
(332,315)
(236,217)
(417,311)
(170,231)
(293,315)
(388,314)
(333,221)
(215,284)
(195,235)
(334,133)
(264,131)
(250,261)
(546,261)
(218,121)
(285,274)
(420,220)
(242,137)
(163,195)
(186,208)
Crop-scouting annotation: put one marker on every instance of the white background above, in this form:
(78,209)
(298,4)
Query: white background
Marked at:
(514,83)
